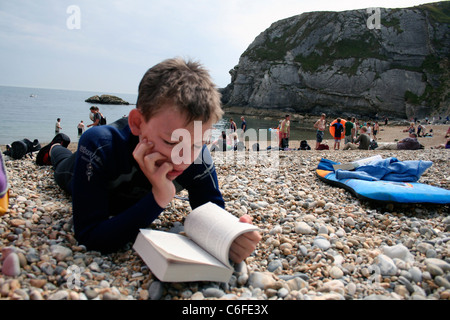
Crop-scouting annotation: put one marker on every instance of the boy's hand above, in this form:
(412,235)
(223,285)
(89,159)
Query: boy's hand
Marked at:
(245,244)
(155,167)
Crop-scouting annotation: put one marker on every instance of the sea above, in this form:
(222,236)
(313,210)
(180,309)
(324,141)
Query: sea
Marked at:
(31,113)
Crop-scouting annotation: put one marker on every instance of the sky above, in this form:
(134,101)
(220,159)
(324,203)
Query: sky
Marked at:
(106,46)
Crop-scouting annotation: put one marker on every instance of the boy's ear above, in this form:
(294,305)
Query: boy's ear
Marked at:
(135,120)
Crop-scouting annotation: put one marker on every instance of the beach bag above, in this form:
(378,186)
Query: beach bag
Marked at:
(102,120)
(284,143)
(20,148)
(4,188)
(323,147)
(373,145)
(304,145)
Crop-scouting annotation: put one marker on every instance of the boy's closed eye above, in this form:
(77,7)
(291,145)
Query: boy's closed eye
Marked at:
(171,143)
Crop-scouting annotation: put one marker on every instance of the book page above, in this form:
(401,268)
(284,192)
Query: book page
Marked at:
(179,248)
(214,229)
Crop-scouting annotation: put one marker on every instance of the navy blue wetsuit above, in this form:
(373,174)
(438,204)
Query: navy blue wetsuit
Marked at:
(112,198)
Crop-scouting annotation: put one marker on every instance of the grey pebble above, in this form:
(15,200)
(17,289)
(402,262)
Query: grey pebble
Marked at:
(274,265)
(406,283)
(322,243)
(416,274)
(261,280)
(283,292)
(60,253)
(59,295)
(386,265)
(442,282)
(156,290)
(90,293)
(213,293)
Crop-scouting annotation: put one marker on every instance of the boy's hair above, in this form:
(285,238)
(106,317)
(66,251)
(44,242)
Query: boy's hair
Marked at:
(185,84)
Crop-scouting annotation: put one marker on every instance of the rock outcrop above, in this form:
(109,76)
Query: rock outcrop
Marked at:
(343,63)
(106,99)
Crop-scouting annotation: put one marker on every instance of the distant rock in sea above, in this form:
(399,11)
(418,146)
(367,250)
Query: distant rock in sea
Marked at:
(106,99)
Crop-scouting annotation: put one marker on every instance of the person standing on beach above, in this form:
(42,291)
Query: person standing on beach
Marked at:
(95,117)
(349,131)
(320,126)
(243,124)
(124,175)
(376,128)
(369,130)
(285,131)
(243,127)
(338,130)
(233,126)
(58,127)
(80,128)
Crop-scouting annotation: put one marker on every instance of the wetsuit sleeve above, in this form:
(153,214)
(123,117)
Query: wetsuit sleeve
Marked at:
(94,226)
(200,180)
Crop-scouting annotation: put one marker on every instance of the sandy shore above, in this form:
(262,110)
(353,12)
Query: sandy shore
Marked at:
(387,134)
(319,242)
(392,133)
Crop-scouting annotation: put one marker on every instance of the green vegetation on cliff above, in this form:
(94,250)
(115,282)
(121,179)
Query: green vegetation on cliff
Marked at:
(335,61)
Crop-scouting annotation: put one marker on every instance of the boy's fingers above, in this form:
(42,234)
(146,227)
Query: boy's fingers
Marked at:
(244,245)
(152,158)
(164,169)
(142,149)
(246,218)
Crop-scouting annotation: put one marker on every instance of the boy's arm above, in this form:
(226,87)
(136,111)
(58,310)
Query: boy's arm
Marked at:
(200,180)
(163,189)
(94,226)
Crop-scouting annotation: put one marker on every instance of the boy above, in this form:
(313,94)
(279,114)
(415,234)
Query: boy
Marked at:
(124,175)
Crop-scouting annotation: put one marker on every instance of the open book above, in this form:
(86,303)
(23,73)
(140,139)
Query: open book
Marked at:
(202,255)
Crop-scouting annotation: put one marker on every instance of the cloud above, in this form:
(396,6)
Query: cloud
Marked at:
(118,40)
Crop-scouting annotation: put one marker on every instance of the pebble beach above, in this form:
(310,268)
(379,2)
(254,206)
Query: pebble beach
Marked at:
(318,242)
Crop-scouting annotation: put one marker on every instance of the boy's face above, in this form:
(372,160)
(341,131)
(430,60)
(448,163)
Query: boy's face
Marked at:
(159,130)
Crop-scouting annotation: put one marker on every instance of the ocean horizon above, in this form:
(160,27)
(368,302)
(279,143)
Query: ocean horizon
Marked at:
(31,113)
